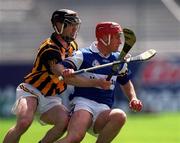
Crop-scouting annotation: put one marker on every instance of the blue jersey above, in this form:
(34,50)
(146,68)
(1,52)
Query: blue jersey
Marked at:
(89,57)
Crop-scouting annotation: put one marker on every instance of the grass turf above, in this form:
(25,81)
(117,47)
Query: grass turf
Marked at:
(139,128)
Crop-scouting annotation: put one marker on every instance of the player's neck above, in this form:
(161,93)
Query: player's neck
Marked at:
(103,50)
(62,41)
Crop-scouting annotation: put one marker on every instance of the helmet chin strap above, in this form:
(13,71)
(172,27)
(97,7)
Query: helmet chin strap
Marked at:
(57,31)
(109,41)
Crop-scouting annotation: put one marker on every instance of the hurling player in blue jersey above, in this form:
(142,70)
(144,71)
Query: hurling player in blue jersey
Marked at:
(92,107)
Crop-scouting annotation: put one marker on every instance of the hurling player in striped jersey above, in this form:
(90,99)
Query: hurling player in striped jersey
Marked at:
(38,91)
(92,106)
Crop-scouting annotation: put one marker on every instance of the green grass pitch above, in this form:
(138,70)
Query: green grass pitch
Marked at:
(139,128)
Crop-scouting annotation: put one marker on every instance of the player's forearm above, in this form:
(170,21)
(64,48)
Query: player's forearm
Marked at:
(129,90)
(77,80)
(82,81)
(134,103)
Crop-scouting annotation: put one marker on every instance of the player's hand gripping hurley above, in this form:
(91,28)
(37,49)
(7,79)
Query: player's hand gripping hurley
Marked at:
(130,39)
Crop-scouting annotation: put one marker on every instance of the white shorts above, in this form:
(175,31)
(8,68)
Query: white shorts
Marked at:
(44,103)
(91,106)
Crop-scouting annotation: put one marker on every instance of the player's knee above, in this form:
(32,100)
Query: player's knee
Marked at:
(119,118)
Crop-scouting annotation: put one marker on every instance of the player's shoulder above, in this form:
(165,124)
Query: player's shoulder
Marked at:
(85,50)
(48,46)
(115,55)
(47,43)
(77,53)
(81,52)
(74,45)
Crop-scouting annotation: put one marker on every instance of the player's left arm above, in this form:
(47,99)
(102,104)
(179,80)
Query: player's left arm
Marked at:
(134,103)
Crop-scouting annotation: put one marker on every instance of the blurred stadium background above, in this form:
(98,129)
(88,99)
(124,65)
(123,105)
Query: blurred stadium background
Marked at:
(24,24)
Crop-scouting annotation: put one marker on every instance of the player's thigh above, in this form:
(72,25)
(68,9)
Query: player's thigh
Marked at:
(55,115)
(27,107)
(80,121)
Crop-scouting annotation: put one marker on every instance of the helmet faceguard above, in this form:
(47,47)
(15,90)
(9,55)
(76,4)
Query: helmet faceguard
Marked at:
(65,17)
(107,29)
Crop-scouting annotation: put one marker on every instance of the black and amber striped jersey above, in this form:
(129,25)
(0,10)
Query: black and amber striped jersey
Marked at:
(50,52)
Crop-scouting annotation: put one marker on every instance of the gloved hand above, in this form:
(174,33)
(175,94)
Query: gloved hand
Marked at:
(127,57)
(121,69)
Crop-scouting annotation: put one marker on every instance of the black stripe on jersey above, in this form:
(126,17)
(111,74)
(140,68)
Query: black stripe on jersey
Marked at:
(34,79)
(44,83)
(33,74)
(37,64)
(55,48)
(48,47)
(50,91)
(65,87)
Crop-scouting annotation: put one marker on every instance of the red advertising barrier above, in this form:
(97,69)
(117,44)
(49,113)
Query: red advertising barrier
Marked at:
(161,72)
